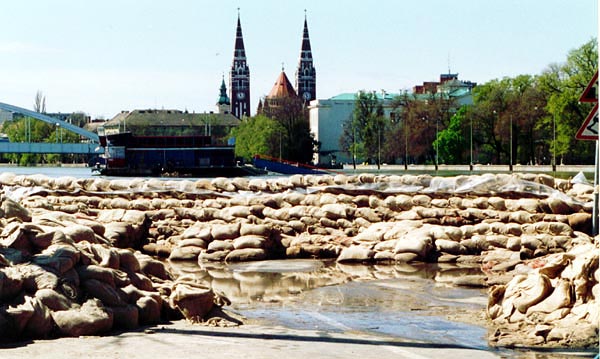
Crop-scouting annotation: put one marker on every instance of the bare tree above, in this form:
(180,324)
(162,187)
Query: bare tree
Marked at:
(39,104)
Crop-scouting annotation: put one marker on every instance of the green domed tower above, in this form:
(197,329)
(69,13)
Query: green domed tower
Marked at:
(223,104)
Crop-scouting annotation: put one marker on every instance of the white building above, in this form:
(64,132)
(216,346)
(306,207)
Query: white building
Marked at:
(328,116)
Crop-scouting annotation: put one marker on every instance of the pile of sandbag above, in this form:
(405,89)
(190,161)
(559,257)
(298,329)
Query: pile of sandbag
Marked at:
(61,277)
(501,221)
(552,301)
(352,218)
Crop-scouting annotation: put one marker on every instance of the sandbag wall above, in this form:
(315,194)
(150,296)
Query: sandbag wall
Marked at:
(500,221)
(351,218)
(64,275)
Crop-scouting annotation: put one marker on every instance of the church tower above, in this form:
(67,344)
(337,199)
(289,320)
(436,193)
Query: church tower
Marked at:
(239,77)
(223,103)
(306,75)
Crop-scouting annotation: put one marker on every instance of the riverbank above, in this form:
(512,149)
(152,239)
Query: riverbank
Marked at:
(561,171)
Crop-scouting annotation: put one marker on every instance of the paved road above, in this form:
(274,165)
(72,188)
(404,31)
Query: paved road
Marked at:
(183,340)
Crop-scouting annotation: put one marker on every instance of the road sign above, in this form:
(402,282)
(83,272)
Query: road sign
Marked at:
(590,94)
(589,129)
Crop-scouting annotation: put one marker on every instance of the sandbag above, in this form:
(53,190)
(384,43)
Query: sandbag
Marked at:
(11,282)
(53,299)
(149,309)
(140,281)
(126,317)
(225,231)
(36,277)
(249,241)
(78,233)
(219,245)
(246,254)
(356,254)
(40,324)
(98,254)
(108,295)
(59,258)
(92,318)
(194,302)
(12,209)
(152,267)
(185,253)
(127,260)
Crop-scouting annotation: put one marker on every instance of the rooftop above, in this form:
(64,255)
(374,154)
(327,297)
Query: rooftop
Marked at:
(151,117)
(282,87)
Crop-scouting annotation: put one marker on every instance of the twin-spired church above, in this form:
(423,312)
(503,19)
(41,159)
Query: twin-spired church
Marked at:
(238,102)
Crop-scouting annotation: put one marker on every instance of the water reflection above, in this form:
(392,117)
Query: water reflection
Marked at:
(413,302)
(285,280)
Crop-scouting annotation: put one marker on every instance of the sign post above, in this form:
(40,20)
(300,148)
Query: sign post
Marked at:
(589,131)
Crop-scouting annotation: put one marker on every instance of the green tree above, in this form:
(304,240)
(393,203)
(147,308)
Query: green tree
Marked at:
(418,119)
(349,141)
(451,141)
(563,84)
(259,135)
(298,143)
(364,132)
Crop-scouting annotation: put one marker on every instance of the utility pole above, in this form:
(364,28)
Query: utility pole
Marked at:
(510,164)
(379,147)
(353,147)
(471,136)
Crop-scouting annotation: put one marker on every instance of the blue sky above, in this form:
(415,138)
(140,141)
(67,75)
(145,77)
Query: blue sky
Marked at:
(102,57)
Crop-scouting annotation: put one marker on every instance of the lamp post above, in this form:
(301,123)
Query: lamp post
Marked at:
(379,146)
(510,164)
(437,144)
(354,147)
(57,127)
(406,145)
(554,144)
(471,141)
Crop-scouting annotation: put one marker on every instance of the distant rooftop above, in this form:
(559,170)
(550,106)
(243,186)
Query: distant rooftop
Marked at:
(351,96)
(152,117)
(282,87)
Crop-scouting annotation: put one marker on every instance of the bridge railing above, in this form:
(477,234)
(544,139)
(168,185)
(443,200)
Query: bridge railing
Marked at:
(47,147)
(51,120)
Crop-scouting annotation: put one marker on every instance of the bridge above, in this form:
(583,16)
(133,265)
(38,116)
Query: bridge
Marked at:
(90,146)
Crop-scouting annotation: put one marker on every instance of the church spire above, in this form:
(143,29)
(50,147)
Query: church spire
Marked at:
(305,37)
(239,76)
(223,98)
(239,51)
(306,76)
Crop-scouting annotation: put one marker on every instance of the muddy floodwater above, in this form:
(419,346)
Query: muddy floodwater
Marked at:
(415,303)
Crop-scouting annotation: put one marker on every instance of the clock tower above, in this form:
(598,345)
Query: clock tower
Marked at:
(306,75)
(239,77)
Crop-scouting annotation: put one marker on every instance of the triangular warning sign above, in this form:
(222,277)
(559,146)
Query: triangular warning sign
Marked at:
(589,129)
(590,94)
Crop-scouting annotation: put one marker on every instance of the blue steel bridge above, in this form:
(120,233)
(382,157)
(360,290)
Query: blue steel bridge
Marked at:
(91,144)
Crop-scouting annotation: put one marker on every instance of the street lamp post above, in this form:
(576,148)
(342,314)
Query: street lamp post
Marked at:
(379,147)
(471,141)
(437,144)
(510,163)
(405,146)
(554,144)
(353,147)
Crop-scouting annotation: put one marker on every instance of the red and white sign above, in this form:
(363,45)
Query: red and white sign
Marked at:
(589,129)
(590,94)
